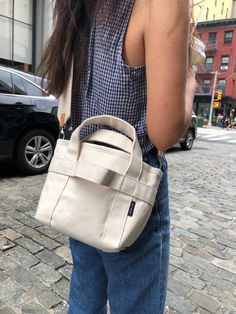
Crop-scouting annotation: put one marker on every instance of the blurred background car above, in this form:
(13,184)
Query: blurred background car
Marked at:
(28,123)
(186,141)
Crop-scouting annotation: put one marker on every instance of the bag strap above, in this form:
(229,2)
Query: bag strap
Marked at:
(64,107)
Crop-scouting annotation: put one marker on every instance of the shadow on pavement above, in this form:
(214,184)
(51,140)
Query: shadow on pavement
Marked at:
(177,149)
(174,149)
(8,170)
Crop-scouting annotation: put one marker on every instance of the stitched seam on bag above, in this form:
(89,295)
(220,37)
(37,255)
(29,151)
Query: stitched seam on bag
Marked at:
(119,154)
(111,210)
(132,179)
(124,192)
(132,198)
(122,233)
(156,171)
(109,216)
(137,226)
(136,196)
(58,201)
(142,183)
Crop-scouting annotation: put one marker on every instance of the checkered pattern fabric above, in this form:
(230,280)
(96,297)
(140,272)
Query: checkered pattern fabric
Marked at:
(108,86)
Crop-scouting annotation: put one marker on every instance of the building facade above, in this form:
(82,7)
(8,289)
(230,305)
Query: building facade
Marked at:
(220,40)
(210,10)
(24,27)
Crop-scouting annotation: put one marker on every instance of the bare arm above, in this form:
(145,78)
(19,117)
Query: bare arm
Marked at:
(170,85)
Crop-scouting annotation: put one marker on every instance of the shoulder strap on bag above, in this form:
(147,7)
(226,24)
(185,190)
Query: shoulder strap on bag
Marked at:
(64,106)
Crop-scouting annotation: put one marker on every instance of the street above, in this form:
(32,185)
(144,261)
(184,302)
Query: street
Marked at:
(35,261)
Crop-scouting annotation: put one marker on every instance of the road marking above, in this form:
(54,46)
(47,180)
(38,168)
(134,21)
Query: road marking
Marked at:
(219,138)
(210,135)
(216,136)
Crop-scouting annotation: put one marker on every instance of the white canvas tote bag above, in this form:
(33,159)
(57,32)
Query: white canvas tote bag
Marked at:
(98,190)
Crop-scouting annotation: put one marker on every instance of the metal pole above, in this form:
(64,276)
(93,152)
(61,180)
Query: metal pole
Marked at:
(34,14)
(212,98)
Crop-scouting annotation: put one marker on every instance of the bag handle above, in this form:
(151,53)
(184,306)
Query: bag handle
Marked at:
(112,138)
(134,169)
(201,9)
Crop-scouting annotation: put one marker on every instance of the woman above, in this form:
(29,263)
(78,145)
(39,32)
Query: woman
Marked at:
(130,61)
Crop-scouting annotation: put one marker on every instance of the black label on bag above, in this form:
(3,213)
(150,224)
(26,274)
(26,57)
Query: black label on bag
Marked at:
(131,208)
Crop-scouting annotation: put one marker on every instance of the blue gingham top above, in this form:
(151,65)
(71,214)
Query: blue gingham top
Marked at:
(108,86)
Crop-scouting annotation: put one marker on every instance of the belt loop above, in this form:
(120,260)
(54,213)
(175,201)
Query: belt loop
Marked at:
(160,155)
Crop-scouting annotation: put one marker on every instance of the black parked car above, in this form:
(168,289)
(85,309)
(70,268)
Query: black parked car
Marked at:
(28,123)
(186,141)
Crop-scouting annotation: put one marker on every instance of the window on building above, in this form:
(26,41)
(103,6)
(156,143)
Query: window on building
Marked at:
(227,12)
(16,32)
(214,16)
(222,85)
(212,38)
(5,37)
(207,13)
(5,83)
(209,63)
(224,63)
(222,8)
(228,37)
(215,3)
(206,86)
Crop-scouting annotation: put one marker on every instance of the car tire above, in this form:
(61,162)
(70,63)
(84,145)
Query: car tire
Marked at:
(189,139)
(34,151)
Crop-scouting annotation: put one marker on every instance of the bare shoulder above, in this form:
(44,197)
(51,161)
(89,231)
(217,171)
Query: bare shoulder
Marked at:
(140,12)
(138,15)
(155,25)
(167,15)
(140,7)
(133,48)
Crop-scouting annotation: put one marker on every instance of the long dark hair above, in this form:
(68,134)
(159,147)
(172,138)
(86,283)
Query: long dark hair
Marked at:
(72,22)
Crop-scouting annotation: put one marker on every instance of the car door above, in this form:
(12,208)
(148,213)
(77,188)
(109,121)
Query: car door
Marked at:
(42,101)
(13,104)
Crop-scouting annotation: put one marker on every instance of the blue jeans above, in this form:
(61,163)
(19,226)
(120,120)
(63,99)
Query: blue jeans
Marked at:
(134,280)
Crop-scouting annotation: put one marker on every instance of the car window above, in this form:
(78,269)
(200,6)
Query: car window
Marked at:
(5,83)
(33,90)
(18,86)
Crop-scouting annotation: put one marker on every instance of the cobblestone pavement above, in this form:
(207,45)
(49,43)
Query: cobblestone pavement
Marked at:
(35,262)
